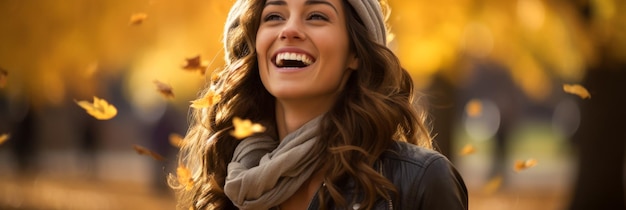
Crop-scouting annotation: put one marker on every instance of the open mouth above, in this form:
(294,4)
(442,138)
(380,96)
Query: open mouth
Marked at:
(293,60)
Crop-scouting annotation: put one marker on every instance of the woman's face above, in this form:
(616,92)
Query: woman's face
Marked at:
(303,49)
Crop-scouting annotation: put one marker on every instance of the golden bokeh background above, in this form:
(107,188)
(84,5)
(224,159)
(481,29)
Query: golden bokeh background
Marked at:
(57,52)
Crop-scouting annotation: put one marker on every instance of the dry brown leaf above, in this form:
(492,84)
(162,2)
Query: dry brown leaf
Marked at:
(164,89)
(137,18)
(522,165)
(468,149)
(195,63)
(207,101)
(99,109)
(578,90)
(493,185)
(144,151)
(4,138)
(4,77)
(245,128)
(474,108)
(184,177)
(176,140)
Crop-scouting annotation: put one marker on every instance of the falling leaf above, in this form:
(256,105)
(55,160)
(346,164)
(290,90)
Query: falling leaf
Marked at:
(493,185)
(91,70)
(164,89)
(522,165)
(208,100)
(176,140)
(143,151)
(184,177)
(245,128)
(99,109)
(4,138)
(468,149)
(195,63)
(578,90)
(4,77)
(474,108)
(137,18)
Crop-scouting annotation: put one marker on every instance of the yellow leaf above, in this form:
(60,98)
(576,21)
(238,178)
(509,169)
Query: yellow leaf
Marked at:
(245,128)
(493,185)
(184,177)
(4,138)
(99,109)
(578,90)
(522,165)
(137,18)
(468,150)
(474,108)
(164,89)
(144,151)
(176,140)
(207,101)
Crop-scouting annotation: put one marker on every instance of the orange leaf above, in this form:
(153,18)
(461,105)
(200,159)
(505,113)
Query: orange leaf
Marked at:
(176,140)
(4,76)
(245,128)
(578,90)
(99,109)
(91,70)
(208,100)
(493,185)
(522,165)
(143,151)
(474,108)
(468,149)
(164,89)
(184,177)
(137,18)
(4,138)
(195,63)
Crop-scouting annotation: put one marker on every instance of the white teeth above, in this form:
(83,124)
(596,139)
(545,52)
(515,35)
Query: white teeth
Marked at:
(293,56)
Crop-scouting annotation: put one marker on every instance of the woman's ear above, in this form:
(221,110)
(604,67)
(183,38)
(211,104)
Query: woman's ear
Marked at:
(353,62)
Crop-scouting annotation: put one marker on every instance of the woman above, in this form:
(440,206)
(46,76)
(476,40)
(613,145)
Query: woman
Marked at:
(342,129)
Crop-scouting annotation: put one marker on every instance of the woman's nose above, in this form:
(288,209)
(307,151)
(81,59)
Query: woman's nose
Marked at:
(292,30)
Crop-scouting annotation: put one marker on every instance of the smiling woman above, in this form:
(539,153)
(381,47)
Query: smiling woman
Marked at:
(341,129)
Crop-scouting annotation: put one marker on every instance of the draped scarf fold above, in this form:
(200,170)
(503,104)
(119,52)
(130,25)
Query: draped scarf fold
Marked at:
(264,173)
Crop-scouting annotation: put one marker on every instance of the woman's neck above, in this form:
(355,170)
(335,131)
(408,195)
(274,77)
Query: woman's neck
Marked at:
(292,115)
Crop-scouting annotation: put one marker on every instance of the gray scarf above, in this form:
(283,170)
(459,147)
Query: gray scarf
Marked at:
(263,173)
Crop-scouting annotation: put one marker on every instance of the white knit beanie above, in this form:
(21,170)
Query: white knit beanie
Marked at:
(372,16)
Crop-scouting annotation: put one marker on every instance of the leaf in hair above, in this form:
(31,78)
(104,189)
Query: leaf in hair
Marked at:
(245,128)
(99,109)
(207,101)
(184,177)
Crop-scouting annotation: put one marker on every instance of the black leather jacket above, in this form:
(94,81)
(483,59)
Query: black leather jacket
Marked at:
(425,180)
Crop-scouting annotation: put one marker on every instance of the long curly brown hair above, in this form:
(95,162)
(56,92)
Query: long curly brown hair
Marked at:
(376,108)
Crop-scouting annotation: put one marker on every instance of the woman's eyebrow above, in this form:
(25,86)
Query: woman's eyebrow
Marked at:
(312,2)
(308,2)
